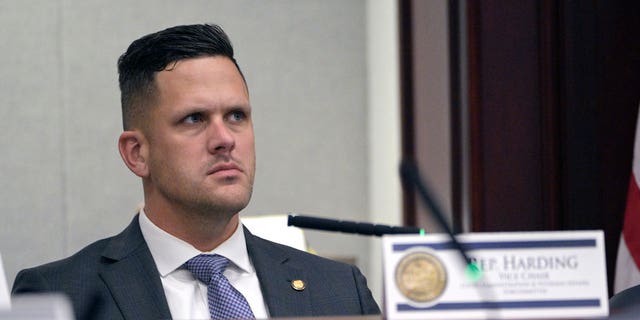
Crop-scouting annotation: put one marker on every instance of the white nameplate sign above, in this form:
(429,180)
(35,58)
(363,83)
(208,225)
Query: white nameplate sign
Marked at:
(524,275)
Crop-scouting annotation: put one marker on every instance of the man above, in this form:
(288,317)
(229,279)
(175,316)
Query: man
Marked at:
(188,135)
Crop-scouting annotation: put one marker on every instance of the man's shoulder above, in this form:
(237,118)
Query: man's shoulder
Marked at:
(75,266)
(302,258)
(336,288)
(83,265)
(88,255)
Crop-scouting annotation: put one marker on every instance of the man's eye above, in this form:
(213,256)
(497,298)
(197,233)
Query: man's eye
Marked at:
(237,116)
(193,118)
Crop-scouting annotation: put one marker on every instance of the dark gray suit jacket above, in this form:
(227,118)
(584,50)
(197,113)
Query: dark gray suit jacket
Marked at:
(116,278)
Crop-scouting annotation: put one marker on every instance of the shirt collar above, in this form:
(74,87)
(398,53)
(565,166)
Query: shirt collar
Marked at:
(170,253)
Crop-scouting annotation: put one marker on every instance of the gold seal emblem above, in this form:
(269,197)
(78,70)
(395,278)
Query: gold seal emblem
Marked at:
(421,277)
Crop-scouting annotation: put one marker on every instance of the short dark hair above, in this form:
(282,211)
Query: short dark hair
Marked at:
(154,52)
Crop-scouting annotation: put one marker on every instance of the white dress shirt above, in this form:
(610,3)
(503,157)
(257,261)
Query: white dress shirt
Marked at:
(186,295)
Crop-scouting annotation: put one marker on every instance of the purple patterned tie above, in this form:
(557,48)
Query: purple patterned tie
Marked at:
(225,302)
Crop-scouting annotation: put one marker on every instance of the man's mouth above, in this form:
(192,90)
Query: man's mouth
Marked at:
(224,167)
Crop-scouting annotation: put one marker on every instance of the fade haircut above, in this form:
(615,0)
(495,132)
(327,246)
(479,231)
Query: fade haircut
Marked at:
(158,51)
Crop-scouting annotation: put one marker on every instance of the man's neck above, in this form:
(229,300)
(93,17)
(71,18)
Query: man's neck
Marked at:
(205,232)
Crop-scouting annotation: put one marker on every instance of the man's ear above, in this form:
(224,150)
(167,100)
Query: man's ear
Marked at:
(133,149)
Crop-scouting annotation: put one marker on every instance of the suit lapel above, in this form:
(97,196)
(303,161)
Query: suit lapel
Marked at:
(127,260)
(276,275)
(132,277)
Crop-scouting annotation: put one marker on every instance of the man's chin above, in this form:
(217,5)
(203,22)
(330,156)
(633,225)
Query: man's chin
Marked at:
(230,198)
(231,202)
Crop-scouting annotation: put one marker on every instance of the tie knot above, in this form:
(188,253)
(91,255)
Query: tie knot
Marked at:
(205,266)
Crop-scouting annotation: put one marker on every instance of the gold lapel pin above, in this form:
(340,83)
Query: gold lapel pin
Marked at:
(298,285)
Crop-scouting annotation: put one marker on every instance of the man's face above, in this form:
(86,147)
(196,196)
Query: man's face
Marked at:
(201,154)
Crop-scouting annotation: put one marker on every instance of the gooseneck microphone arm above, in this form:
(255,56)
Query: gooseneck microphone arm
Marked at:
(347,226)
(409,173)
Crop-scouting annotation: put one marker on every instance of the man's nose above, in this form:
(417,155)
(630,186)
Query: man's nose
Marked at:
(221,138)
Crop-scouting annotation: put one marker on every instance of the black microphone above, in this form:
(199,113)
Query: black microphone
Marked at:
(410,174)
(348,226)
